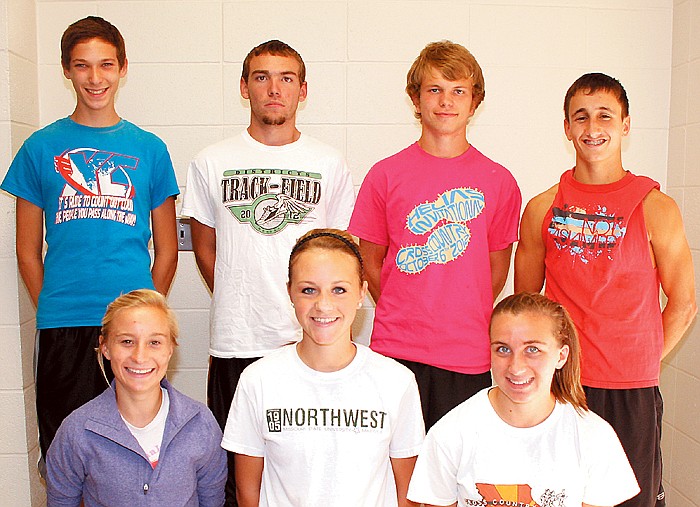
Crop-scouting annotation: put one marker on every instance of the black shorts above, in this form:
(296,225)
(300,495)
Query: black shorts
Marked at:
(67,376)
(442,390)
(221,386)
(636,415)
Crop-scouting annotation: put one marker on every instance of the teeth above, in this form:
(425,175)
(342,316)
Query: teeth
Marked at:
(327,320)
(134,370)
(97,92)
(522,383)
(595,143)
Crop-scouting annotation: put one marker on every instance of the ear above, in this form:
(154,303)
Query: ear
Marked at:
(124,69)
(416,103)
(363,291)
(563,356)
(103,348)
(626,126)
(567,129)
(303,91)
(244,89)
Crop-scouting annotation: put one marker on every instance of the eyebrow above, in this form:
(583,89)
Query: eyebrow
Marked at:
(267,72)
(584,110)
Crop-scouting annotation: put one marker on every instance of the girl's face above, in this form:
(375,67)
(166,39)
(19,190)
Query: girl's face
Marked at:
(326,292)
(139,347)
(525,353)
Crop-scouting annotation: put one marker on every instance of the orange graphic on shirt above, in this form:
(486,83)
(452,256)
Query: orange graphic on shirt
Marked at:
(517,495)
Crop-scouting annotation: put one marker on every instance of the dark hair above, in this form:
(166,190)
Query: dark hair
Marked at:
(327,239)
(92,27)
(566,384)
(275,48)
(453,61)
(593,82)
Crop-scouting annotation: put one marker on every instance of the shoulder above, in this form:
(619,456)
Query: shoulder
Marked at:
(142,134)
(540,204)
(386,365)
(591,427)
(223,148)
(319,148)
(185,406)
(100,408)
(658,202)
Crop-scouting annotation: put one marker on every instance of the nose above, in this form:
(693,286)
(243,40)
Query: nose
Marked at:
(94,75)
(138,353)
(323,302)
(274,88)
(594,127)
(517,364)
(445,99)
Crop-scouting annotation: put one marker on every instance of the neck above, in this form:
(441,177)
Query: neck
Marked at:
(274,135)
(444,146)
(139,409)
(95,119)
(326,358)
(521,415)
(600,173)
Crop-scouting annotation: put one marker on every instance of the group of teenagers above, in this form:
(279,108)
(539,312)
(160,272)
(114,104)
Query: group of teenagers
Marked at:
(543,400)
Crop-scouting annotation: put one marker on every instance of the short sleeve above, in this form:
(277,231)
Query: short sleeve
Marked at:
(163,180)
(410,429)
(369,219)
(434,479)
(197,202)
(609,476)
(504,229)
(342,197)
(243,433)
(22,179)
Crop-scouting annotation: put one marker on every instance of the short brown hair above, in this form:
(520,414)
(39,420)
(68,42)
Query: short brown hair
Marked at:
(454,62)
(275,48)
(92,27)
(566,384)
(594,82)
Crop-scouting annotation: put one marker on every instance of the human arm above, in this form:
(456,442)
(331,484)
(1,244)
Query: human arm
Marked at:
(248,471)
(373,256)
(529,256)
(403,468)
(499,261)
(30,242)
(65,470)
(213,472)
(674,263)
(164,245)
(204,245)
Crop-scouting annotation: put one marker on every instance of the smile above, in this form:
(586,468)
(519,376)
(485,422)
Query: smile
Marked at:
(139,372)
(592,142)
(520,382)
(96,92)
(324,320)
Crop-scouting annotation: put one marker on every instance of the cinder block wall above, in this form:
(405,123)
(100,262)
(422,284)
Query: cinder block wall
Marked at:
(680,381)
(184,68)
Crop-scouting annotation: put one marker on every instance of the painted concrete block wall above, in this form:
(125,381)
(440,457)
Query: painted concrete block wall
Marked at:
(680,381)
(185,58)
(19,116)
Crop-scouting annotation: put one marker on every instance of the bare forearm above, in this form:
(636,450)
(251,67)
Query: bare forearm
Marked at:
(204,245)
(32,272)
(163,270)
(676,318)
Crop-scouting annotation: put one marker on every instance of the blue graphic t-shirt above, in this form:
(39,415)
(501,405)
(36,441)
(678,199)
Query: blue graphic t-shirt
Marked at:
(97,187)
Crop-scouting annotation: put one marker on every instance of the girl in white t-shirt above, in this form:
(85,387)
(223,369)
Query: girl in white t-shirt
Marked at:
(529,440)
(325,422)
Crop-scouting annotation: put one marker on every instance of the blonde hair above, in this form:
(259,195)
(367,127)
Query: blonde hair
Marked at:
(453,61)
(140,298)
(566,384)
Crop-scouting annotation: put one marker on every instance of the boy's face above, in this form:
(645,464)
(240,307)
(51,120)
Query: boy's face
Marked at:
(95,74)
(445,106)
(273,89)
(595,126)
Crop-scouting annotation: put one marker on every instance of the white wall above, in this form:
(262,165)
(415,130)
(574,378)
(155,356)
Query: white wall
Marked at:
(185,65)
(680,376)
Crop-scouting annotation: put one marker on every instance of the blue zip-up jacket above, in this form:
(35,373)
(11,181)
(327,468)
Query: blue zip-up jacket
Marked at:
(94,457)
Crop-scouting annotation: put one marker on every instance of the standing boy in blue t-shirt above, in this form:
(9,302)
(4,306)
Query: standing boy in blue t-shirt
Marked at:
(94,181)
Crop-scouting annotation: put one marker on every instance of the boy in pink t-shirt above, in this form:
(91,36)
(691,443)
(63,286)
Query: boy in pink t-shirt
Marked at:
(436,224)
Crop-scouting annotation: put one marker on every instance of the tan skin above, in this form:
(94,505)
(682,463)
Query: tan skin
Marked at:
(94,65)
(317,276)
(670,253)
(274,90)
(446,108)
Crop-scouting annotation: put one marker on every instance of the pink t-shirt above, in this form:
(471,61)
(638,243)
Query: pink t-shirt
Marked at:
(439,218)
(598,265)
